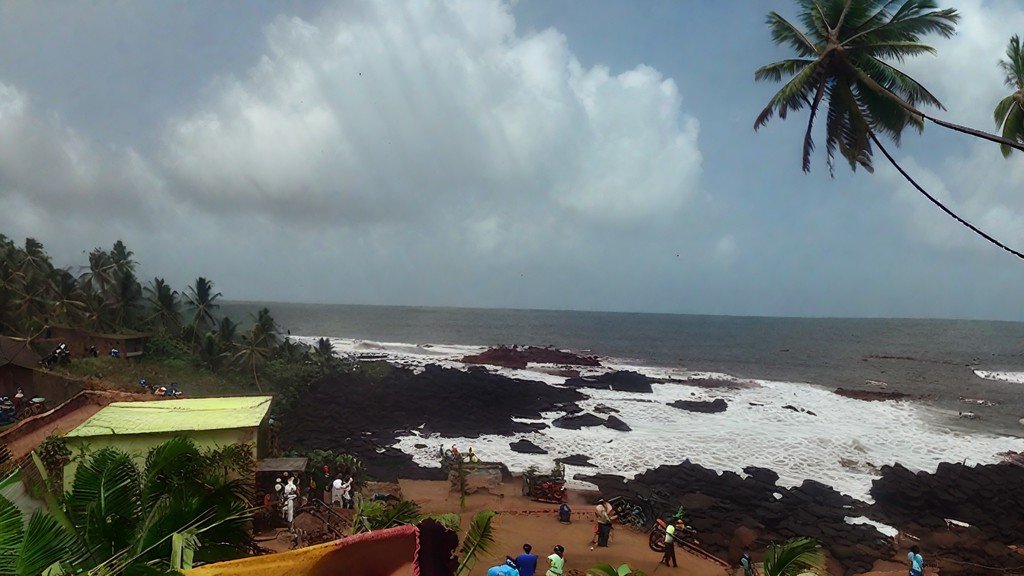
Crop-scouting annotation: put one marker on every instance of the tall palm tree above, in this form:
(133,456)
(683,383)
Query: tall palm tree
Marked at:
(842,62)
(794,557)
(252,353)
(1009,112)
(65,298)
(265,326)
(165,306)
(203,301)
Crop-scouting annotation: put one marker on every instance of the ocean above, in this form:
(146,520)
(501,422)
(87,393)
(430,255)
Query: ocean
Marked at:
(964,377)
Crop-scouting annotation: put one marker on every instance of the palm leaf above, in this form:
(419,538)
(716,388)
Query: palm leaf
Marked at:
(602,570)
(105,501)
(794,557)
(45,543)
(450,521)
(12,530)
(1013,128)
(479,539)
(784,32)
(1002,109)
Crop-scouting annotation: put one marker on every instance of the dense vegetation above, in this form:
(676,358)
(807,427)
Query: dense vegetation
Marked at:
(120,518)
(189,340)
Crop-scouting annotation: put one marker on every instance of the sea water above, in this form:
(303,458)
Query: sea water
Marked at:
(948,367)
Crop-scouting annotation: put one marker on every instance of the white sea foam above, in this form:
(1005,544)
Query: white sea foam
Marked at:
(1012,377)
(842,444)
(883,528)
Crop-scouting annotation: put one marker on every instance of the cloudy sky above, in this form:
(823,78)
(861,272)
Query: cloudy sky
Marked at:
(534,154)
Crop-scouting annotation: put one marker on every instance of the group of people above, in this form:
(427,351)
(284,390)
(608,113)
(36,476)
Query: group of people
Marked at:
(341,492)
(525,564)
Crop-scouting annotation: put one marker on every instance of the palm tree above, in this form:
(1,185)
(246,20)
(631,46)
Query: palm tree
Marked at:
(841,64)
(794,557)
(265,326)
(117,515)
(252,353)
(164,305)
(202,299)
(1009,112)
(324,355)
(65,298)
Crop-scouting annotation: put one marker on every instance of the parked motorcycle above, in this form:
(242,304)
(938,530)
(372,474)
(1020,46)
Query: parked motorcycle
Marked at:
(60,355)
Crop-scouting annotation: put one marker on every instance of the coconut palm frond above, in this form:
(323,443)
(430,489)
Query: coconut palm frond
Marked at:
(794,557)
(479,539)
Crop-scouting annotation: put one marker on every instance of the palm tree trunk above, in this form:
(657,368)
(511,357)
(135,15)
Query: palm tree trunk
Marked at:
(256,378)
(935,201)
(976,133)
(958,128)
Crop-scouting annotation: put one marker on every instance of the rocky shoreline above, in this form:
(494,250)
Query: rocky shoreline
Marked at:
(366,416)
(963,516)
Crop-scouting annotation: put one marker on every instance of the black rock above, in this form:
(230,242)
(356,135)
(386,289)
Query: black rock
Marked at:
(576,460)
(524,446)
(615,423)
(713,407)
(577,422)
(621,381)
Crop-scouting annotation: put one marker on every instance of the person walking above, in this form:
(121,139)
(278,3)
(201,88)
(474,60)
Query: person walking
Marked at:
(670,545)
(556,561)
(747,563)
(527,561)
(916,561)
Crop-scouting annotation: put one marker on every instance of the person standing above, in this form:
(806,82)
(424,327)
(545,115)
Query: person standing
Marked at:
(527,561)
(604,522)
(291,493)
(556,561)
(337,489)
(747,563)
(670,547)
(916,561)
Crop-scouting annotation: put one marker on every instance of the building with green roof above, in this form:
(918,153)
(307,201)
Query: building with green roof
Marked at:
(138,427)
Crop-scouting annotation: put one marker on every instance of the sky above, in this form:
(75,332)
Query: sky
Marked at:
(589,155)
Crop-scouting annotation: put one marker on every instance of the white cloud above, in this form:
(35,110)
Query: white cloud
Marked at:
(982,187)
(965,75)
(403,110)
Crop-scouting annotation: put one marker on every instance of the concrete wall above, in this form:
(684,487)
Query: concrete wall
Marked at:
(139,445)
(55,388)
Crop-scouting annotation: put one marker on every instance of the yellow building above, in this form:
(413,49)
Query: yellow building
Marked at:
(138,427)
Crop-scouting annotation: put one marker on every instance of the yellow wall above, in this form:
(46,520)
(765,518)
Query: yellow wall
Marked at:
(139,445)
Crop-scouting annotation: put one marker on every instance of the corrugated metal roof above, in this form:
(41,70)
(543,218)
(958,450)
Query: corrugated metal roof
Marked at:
(190,414)
(282,465)
(17,352)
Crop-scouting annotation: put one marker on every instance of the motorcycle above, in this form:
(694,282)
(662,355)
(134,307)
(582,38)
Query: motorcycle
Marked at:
(59,355)
(32,407)
(7,411)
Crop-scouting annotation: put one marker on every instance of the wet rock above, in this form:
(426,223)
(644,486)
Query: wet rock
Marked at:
(448,402)
(602,409)
(801,410)
(705,407)
(575,422)
(871,395)
(622,381)
(524,446)
(615,423)
(576,460)
(520,356)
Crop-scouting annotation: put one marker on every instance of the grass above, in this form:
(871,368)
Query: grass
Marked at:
(193,381)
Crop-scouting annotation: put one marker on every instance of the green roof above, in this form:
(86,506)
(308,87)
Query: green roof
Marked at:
(190,414)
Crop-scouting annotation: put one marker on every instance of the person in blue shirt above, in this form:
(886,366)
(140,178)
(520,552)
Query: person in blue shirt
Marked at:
(526,561)
(916,561)
(509,568)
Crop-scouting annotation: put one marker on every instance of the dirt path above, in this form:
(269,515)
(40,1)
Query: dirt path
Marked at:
(524,521)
